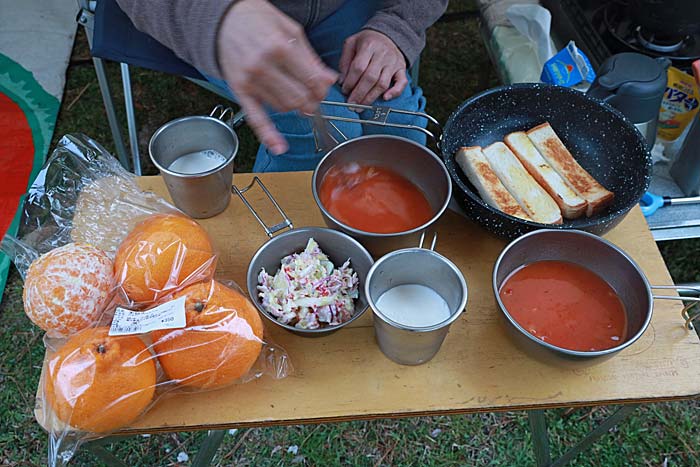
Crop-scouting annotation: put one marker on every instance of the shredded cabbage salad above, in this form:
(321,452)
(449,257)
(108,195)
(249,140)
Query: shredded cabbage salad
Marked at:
(308,292)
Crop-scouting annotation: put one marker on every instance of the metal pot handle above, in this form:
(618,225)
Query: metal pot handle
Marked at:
(422,239)
(380,116)
(235,120)
(269,230)
(688,318)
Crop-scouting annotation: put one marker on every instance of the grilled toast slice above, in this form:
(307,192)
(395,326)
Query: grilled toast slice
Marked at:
(530,195)
(477,169)
(572,205)
(555,153)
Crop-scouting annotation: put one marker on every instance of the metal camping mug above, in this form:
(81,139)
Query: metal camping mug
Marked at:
(204,194)
(405,344)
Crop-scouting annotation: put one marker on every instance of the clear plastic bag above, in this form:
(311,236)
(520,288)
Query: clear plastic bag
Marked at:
(123,284)
(82,194)
(94,383)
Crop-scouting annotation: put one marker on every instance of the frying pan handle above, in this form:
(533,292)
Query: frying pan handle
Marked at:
(269,230)
(693,301)
(650,203)
(380,117)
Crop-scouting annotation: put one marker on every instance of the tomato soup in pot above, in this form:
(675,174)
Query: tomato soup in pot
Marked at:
(373,199)
(566,305)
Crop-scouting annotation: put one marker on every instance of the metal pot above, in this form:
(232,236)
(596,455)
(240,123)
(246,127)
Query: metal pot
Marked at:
(415,162)
(599,256)
(338,246)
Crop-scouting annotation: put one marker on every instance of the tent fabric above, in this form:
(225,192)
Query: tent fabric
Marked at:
(36,39)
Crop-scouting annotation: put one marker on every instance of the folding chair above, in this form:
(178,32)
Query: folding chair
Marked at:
(112,36)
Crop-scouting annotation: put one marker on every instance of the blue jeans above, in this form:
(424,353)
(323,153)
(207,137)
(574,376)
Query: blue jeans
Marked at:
(327,39)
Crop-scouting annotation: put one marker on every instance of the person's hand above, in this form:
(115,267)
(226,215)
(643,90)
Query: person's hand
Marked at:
(371,65)
(266,59)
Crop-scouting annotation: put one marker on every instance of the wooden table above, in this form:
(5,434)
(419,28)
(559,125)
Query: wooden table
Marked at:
(344,376)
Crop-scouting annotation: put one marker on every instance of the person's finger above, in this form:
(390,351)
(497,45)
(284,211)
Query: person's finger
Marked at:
(400,82)
(367,81)
(382,85)
(262,126)
(356,68)
(284,93)
(349,49)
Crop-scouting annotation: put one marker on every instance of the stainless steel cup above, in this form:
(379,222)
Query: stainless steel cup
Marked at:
(204,194)
(405,344)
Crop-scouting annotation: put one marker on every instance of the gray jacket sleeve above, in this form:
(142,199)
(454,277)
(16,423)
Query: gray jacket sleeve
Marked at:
(187,27)
(405,22)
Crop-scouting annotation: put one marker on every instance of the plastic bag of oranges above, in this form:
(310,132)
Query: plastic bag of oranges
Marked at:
(122,283)
(90,237)
(74,218)
(205,336)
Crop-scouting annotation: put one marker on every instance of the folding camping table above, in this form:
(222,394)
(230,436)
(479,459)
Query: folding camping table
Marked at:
(344,376)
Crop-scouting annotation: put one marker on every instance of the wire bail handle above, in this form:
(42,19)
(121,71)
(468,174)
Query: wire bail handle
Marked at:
(322,124)
(688,318)
(422,239)
(235,119)
(269,230)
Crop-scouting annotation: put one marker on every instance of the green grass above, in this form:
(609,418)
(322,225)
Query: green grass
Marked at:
(454,66)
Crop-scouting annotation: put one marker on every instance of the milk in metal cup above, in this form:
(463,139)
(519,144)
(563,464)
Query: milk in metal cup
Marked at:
(413,305)
(197,162)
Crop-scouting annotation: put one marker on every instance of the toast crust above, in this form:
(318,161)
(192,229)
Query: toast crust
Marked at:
(572,205)
(558,156)
(536,202)
(477,169)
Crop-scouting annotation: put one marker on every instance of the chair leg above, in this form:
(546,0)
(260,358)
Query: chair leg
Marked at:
(131,119)
(111,113)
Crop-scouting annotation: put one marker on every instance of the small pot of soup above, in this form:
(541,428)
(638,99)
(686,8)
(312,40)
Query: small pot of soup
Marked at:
(572,294)
(382,190)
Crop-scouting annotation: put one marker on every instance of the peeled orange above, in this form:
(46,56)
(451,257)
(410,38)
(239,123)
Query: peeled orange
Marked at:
(221,342)
(66,289)
(97,383)
(160,254)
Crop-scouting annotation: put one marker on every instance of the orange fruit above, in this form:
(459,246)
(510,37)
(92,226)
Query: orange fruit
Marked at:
(160,254)
(220,343)
(66,289)
(97,383)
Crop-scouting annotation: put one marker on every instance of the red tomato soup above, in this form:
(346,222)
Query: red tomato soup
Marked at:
(373,199)
(566,305)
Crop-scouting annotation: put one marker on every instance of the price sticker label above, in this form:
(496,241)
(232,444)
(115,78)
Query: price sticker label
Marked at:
(169,315)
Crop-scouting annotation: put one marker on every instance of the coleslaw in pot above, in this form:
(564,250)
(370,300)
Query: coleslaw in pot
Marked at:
(308,291)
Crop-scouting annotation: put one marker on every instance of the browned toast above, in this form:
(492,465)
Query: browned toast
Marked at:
(528,193)
(558,156)
(475,166)
(572,205)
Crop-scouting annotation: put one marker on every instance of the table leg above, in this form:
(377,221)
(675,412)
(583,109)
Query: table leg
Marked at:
(618,416)
(540,438)
(109,459)
(208,449)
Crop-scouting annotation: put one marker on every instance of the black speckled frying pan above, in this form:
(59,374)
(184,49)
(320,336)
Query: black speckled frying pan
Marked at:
(599,137)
